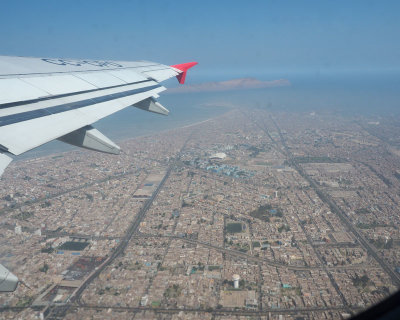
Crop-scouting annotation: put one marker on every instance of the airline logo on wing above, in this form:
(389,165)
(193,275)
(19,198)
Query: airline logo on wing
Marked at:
(79,63)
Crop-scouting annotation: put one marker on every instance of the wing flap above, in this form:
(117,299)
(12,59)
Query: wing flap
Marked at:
(20,136)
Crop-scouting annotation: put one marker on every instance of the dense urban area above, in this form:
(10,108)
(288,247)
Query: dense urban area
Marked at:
(251,215)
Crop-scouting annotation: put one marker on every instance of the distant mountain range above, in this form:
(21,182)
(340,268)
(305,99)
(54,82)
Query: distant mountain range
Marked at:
(235,84)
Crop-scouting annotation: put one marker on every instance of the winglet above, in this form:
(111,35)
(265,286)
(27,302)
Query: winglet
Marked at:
(183,67)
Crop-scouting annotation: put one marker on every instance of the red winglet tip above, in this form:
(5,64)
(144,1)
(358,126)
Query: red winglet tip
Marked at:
(183,67)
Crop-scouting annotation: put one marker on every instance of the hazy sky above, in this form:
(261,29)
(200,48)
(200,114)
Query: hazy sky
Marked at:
(224,36)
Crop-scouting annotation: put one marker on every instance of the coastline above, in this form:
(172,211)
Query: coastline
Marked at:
(51,153)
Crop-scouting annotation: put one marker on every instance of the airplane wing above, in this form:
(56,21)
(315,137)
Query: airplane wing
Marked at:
(46,99)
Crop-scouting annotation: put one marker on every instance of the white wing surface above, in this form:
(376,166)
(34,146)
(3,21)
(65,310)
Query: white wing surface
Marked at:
(46,99)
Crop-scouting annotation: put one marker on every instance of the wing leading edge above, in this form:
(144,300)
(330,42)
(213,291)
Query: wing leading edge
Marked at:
(46,99)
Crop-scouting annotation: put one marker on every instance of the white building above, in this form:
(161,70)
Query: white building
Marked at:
(18,229)
(236,279)
(218,156)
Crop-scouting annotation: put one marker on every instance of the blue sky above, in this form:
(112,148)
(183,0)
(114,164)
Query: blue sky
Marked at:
(225,37)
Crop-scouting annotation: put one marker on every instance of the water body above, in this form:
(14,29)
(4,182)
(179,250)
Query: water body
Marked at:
(368,93)
(351,94)
(185,109)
